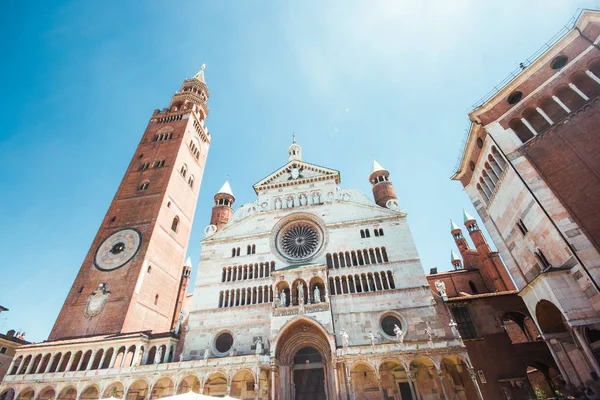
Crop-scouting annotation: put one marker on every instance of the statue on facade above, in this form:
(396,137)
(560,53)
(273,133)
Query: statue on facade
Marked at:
(177,327)
(303,200)
(207,352)
(345,339)
(399,334)
(159,354)
(180,358)
(290,202)
(454,330)
(300,292)
(441,288)
(283,299)
(317,294)
(429,332)
(372,339)
(259,347)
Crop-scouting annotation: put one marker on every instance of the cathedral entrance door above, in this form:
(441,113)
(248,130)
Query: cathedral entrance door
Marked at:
(308,375)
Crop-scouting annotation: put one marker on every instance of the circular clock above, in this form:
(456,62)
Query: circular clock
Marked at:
(117,249)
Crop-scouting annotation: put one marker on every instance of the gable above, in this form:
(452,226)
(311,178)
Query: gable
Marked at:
(296,173)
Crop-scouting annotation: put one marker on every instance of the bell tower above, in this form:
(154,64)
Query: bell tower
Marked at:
(222,210)
(132,275)
(383,189)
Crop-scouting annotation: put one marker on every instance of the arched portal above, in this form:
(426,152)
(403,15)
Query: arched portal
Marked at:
(457,379)
(364,380)
(549,318)
(216,385)
(26,394)
(189,383)
(242,385)
(138,390)
(115,389)
(162,388)
(304,356)
(8,394)
(426,380)
(394,380)
(90,393)
(68,393)
(48,393)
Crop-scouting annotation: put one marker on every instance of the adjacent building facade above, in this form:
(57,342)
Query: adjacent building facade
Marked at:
(9,342)
(531,169)
(502,340)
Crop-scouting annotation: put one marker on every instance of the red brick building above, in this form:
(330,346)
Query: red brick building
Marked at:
(502,340)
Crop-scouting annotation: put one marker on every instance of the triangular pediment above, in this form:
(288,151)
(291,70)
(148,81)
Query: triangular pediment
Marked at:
(296,173)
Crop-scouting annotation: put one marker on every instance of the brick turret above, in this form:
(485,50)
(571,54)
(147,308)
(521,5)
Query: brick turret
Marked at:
(383,189)
(183,287)
(222,210)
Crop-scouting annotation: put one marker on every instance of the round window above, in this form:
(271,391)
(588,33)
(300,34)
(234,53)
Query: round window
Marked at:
(515,97)
(299,240)
(559,62)
(224,342)
(388,323)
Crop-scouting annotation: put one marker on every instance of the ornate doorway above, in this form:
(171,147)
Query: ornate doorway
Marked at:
(309,376)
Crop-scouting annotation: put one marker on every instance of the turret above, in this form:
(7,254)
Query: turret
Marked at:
(477,237)
(294,151)
(383,189)
(459,239)
(455,260)
(222,211)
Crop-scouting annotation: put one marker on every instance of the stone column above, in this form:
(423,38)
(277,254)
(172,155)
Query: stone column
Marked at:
(475,383)
(12,365)
(561,368)
(336,378)
(411,383)
(579,92)
(593,76)
(528,125)
(543,114)
(50,362)
(30,366)
(113,358)
(381,394)
(576,377)
(70,363)
(136,355)
(91,361)
(586,349)
(349,383)
(380,281)
(273,397)
(443,384)
(102,360)
(38,369)
(560,103)
(79,363)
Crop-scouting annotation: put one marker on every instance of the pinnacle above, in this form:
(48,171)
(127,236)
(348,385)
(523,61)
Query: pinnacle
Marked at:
(377,167)
(188,262)
(453,226)
(200,75)
(226,188)
(467,216)
(454,256)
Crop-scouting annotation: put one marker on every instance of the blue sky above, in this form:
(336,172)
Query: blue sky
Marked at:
(355,80)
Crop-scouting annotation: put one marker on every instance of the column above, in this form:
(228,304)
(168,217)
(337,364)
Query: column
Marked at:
(272,382)
(349,382)
(113,358)
(80,361)
(38,369)
(475,383)
(411,383)
(543,114)
(593,76)
(30,366)
(256,389)
(560,103)
(443,384)
(368,283)
(381,394)
(579,92)
(70,363)
(12,365)
(91,361)
(337,380)
(380,281)
(50,360)
(528,125)
(586,350)
(136,355)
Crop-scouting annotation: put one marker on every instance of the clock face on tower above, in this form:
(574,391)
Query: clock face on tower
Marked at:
(117,249)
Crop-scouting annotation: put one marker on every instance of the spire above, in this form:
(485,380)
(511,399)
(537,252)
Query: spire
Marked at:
(200,75)
(188,262)
(294,151)
(453,226)
(226,189)
(454,256)
(377,167)
(467,216)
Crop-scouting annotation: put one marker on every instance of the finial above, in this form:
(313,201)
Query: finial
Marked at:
(203,67)
(293,138)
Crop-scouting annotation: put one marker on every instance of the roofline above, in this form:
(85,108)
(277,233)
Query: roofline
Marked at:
(337,175)
(467,149)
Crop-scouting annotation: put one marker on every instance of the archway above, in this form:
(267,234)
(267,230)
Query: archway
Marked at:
(425,376)
(364,380)
(189,383)
(549,318)
(8,394)
(304,356)
(242,385)
(115,389)
(457,379)
(90,393)
(47,393)
(394,380)
(162,388)
(68,393)
(216,385)
(138,390)
(26,394)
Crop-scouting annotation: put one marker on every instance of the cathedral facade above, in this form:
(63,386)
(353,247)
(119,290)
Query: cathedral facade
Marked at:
(311,291)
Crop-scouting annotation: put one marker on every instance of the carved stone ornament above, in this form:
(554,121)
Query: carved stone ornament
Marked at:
(96,300)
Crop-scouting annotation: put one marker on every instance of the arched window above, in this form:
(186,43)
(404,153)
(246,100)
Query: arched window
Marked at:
(237,251)
(367,234)
(362,233)
(473,288)
(175,224)
(191,181)
(149,269)
(233,252)
(376,232)
(156,300)
(183,170)
(391,280)
(253,249)
(159,163)
(144,185)
(328,261)
(380,231)
(384,254)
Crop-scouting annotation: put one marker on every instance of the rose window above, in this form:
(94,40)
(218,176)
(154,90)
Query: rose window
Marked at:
(298,240)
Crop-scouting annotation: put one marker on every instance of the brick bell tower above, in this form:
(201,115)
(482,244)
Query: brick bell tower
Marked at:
(131,278)
(383,189)
(222,211)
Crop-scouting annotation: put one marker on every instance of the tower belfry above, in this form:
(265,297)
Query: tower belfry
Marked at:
(131,278)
